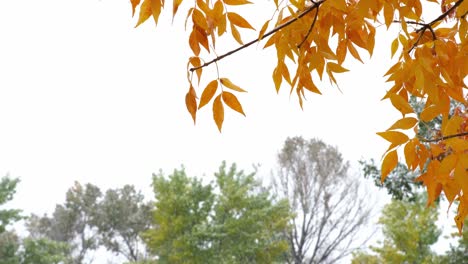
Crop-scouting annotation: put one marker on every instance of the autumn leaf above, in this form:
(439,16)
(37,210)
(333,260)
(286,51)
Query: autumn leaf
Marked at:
(135,3)
(228,84)
(401,104)
(237,20)
(208,93)
(191,103)
(394,137)
(236,2)
(389,163)
(231,101)
(404,123)
(218,112)
(145,12)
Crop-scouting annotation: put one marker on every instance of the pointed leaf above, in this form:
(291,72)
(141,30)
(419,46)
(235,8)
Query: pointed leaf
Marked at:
(135,3)
(389,163)
(228,84)
(145,12)
(404,123)
(208,93)
(236,2)
(191,103)
(394,137)
(238,20)
(218,112)
(231,101)
(401,104)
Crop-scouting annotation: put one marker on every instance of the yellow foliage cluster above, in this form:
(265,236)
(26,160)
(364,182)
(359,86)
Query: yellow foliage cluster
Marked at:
(432,65)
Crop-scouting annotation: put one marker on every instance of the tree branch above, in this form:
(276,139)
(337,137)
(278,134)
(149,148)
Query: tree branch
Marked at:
(278,28)
(443,138)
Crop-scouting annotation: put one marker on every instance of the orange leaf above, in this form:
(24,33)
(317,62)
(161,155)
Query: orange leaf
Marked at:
(336,67)
(236,2)
(429,113)
(389,163)
(238,20)
(175,6)
(218,112)
(401,104)
(462,213)
(145,12)
(394,137)
(394,46)
(156,6)
(191,103)
(263,29)
(208,93)
(135,3)
(235,33)
(404,123)
(231,101)
(226,82)
(199,19)
(410,154)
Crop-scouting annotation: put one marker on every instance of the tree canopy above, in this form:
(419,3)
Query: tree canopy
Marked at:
(313,39)
(233,220)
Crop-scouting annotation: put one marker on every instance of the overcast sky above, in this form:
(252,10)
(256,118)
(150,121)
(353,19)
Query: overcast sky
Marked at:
(84,96)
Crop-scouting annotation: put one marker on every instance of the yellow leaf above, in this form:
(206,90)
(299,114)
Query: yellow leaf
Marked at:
(388,13)
(336,67)
(238,20)
(410,154)
(231,101)
(462,9)
(263,30)
(448,164)
(199,19)
(236,2)
(208,93)
(228,84)
(462,213)
(394,46)
(394,137)
(404,123)
(218,112)
(191,103)
(429,113)
(453,126)
(389,163)
(401,104)
(175,6)
(145,12)
(235,33)
(135,3)
(156,6)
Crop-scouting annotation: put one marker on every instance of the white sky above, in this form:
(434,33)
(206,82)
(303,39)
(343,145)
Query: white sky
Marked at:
(84,96)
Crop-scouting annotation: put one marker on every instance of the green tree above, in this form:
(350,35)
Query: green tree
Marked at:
(409,229)
(73,223)
(7,190)
(9,246)
(122,216)
(233,220)
(43,251)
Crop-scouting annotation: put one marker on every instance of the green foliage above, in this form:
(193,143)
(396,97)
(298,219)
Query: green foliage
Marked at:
(233,220)
(43,251)
(400,182)
(9,245)
(122,216)
(73,223)
(409,229)
(7,190)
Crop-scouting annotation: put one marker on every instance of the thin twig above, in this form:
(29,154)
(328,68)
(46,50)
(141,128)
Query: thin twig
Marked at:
(310,28)
(443,138)
(278,28)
